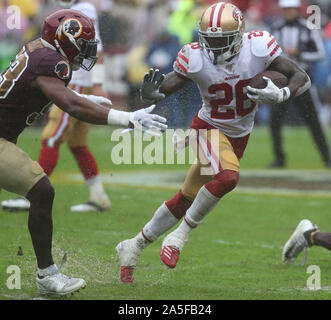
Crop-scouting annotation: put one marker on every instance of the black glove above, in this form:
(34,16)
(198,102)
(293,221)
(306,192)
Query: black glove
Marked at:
(149,90)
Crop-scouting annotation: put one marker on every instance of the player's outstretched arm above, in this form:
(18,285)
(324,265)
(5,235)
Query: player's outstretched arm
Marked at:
(86,110)
(154,89)
(77,106)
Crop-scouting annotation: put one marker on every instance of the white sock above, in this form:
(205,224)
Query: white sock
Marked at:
(95,186)
(52,269)
(203,203)
(97,192)
(183,230)
(141,241)
(162,221)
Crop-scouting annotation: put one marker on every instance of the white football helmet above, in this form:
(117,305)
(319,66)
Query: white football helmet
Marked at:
(66,4)
(221,30)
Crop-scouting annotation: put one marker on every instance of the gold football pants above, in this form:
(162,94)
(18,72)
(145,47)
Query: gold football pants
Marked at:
(214,154)
(62,127)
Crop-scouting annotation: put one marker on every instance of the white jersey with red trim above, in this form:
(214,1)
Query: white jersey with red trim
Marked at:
(82,77)
(222,87)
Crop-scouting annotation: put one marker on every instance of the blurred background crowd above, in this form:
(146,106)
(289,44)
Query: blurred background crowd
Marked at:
(139,34)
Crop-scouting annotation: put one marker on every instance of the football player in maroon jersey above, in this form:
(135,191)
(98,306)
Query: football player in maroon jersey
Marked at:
(36,78)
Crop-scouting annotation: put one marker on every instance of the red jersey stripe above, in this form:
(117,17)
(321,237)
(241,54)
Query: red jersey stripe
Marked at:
(183,58)
(180,75)
(271,42)
(275,50)
(180,66)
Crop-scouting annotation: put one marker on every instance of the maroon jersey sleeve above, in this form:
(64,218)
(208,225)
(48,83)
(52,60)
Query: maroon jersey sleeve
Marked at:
(20,103)
(44,61)
(54,65)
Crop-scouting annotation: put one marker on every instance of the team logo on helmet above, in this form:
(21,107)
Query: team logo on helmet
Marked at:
(237,15)
(72,27)
(62,69)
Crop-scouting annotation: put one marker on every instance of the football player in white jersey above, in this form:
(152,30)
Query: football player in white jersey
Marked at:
(61,127)
(222,64)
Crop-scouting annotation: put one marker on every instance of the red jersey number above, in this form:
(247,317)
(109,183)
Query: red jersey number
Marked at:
(228,97)
(229,93)
(195,45)
(255,34)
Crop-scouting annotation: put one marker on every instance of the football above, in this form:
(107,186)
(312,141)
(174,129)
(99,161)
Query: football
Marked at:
(277,78)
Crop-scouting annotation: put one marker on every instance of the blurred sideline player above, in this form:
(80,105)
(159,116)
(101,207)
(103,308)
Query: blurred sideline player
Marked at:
(222,64)
(305,236)
(303,45)
(37,77)
(61,127)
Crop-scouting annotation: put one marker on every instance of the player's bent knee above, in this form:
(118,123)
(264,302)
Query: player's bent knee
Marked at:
(224,182)
(42,192)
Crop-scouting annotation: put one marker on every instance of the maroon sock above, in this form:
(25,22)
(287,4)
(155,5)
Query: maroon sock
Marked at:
(178,205)
(86,161)
(322,239)
(40,221)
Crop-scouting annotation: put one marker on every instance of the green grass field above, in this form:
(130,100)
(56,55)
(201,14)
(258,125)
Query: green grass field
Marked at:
(234,254)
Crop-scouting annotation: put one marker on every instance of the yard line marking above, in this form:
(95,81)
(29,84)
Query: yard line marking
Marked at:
(281,191)
(256,245)
(240,243)
(174,180)
(15,297)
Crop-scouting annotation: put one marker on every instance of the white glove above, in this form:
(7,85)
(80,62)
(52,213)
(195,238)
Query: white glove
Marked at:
(141,119)
(95,99)
(145,121)
(269,95)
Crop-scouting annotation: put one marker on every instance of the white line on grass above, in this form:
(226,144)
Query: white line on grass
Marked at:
(174,180)
(256,245)
(245,244)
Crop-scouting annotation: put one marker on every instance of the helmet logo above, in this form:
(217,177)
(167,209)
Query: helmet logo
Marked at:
(72,27)
(213,29)
(237,15)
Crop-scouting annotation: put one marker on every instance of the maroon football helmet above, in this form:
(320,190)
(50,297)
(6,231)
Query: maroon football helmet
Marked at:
(72,34)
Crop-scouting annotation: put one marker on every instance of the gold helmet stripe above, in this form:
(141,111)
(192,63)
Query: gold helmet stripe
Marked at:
(216,13)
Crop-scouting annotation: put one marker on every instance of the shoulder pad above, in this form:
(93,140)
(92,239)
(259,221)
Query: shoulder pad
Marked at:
(193,53)
(263,44)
